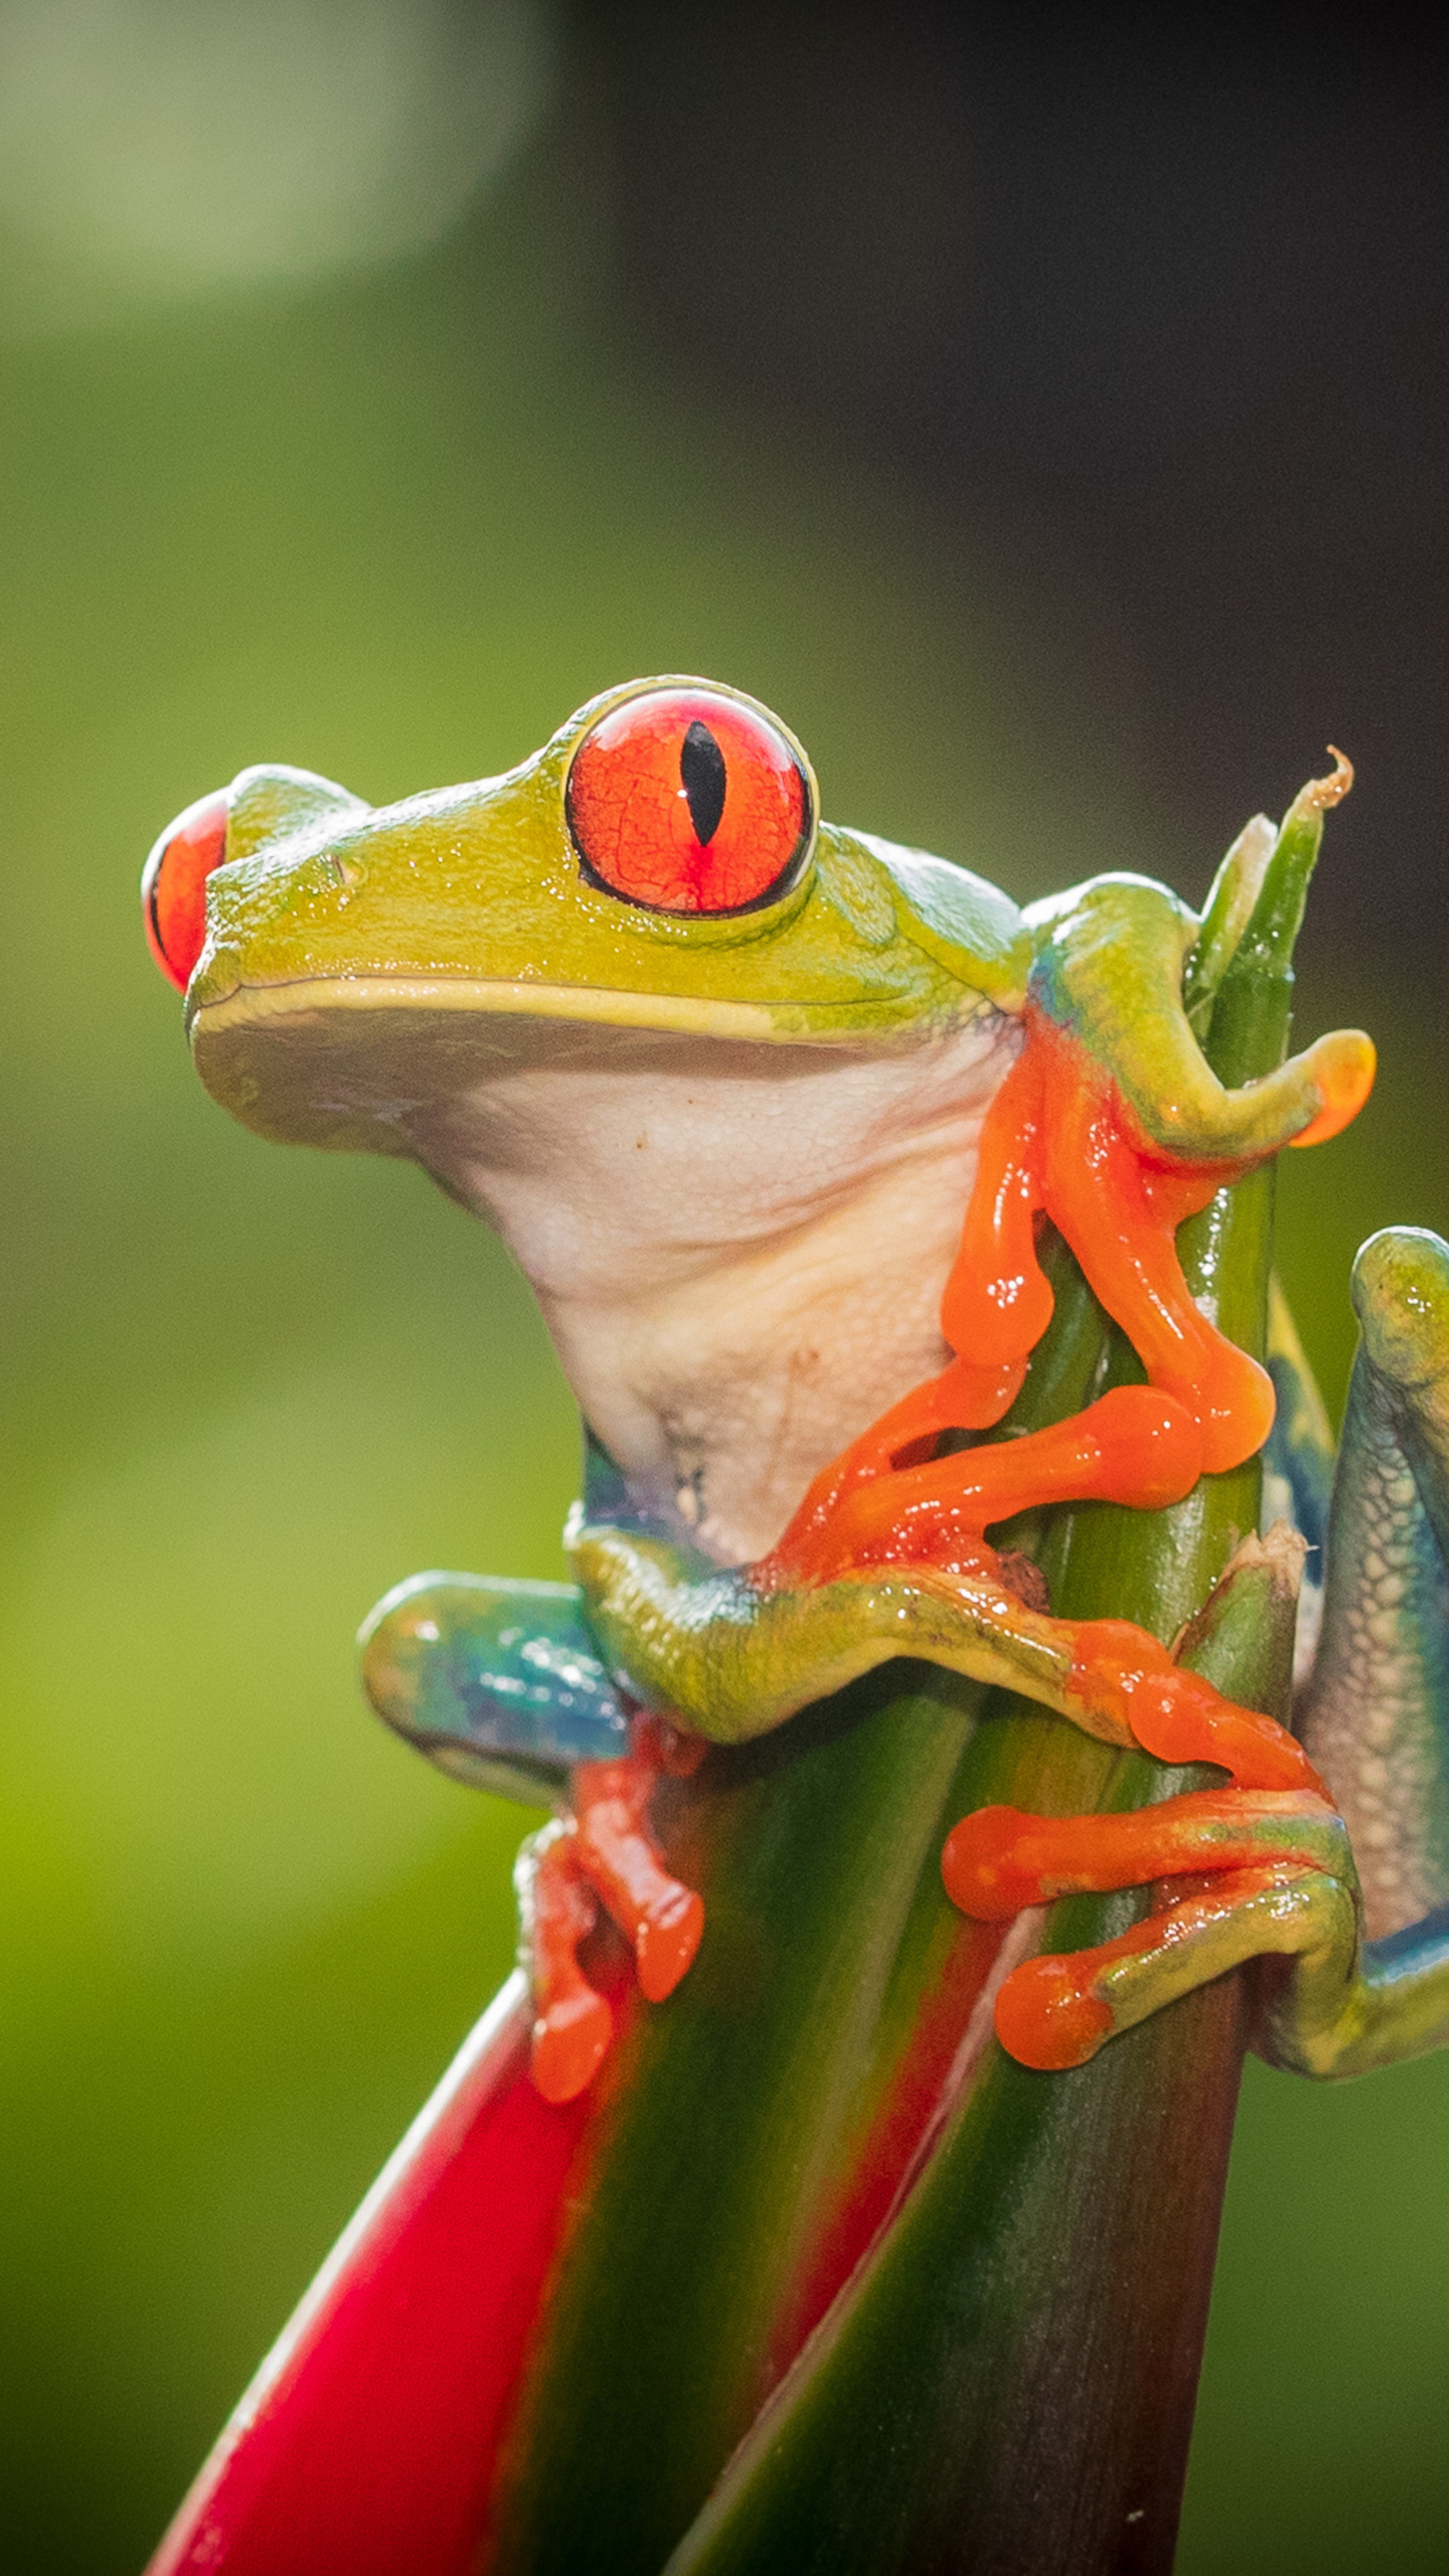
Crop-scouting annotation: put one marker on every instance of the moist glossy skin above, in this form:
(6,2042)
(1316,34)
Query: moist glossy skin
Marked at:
(732,1149)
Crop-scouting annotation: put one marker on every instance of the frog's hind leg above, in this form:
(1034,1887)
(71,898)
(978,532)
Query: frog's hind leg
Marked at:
(1376,1705)
(501,1684)
(1376,1718)
(1377,1725)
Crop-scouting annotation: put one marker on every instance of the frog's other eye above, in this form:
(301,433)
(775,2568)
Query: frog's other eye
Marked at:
(173,886)
(687,802)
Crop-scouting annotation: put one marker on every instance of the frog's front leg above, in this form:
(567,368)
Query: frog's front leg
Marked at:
(1114,1125)
(500,1684)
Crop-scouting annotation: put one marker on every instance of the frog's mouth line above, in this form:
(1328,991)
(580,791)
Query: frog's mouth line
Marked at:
(352,1062)
(251,1006)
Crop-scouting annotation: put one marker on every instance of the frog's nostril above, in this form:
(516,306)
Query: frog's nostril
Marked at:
(173,886)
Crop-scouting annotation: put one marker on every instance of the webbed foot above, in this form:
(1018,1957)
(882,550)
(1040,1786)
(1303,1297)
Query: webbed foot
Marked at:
(601,1853)
(572,2024)
(1258,1871)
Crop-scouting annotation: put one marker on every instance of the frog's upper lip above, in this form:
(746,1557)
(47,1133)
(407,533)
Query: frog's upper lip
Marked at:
(351,1060)
(250,1006)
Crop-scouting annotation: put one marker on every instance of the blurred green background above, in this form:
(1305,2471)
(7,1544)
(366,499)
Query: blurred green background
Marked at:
(389,502)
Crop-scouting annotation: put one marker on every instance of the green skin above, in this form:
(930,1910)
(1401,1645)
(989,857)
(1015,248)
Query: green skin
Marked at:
(732,1155)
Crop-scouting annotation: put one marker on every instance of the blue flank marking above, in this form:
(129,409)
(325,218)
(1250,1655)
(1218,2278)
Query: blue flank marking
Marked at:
(1429,1936)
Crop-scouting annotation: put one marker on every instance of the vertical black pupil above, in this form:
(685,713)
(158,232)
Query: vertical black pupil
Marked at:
(702,776)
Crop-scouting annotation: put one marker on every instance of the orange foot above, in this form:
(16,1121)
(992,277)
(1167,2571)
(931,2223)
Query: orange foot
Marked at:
(1242,1857)
(602,1852)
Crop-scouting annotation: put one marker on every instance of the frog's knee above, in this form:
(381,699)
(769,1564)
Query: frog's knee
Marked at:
(497,1682)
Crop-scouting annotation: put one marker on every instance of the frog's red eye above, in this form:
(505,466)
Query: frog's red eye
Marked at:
(688,802)
(173,887)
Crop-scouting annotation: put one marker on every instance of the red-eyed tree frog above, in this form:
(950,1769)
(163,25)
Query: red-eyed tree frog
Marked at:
(770,1113)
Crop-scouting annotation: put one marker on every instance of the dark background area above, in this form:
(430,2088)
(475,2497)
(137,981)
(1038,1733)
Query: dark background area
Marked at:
(1156,309)
(1051,422)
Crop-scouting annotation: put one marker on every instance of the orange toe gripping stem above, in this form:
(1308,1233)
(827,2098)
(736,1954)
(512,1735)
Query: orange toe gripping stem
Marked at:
(603,1852)
(999,1859)
(1050,2013)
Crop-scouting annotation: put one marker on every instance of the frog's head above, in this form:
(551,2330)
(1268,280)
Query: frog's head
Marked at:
(659,866)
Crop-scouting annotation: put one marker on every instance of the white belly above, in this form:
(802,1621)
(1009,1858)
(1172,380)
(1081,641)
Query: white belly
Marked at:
(740,1249)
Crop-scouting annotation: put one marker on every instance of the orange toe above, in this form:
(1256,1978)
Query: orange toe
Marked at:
(985,1869)
(666,1941)
(570,2039)
(1344,1065)
(1235,1405)
(1047,2018)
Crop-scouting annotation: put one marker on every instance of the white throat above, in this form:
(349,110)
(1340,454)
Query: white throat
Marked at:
(739,1248)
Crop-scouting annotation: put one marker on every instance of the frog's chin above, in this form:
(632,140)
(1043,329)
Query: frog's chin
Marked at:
(349,1061)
